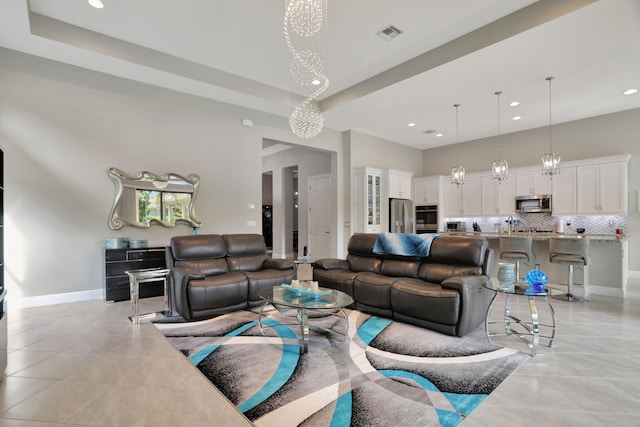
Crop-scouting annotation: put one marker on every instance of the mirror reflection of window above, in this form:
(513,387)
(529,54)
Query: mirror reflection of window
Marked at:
(162,205)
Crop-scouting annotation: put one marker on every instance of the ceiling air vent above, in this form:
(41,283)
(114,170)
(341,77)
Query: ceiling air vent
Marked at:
(389,32)
(430,131)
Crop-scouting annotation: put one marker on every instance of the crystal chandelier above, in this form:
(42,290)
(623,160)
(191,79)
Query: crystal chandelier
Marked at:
(499,168)
(303,22)
(550,160)
(457,172)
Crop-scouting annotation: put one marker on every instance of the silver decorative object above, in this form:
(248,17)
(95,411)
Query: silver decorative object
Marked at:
(125,205)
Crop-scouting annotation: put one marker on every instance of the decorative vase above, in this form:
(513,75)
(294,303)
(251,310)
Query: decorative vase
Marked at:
(536,279)
(506,273)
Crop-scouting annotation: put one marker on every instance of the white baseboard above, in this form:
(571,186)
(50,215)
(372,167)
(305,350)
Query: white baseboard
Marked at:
(18,303)
(633,274)
(606,291)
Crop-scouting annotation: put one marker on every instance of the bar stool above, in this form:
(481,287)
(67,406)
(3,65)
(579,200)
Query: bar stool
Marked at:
(517,249)
(570,252)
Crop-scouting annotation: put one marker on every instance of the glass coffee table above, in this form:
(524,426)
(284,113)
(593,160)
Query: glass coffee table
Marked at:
(530,333)
(326,299)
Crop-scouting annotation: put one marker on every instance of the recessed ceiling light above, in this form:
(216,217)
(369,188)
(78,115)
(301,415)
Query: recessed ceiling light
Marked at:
(514,104)
(96,3)
(439,135)
(315,82)
(411,124)
(630,91)
(516,118)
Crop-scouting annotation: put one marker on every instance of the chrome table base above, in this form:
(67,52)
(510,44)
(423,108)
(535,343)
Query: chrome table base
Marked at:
(531,330)
(302,316)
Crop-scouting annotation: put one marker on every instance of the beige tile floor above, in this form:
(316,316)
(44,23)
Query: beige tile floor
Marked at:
(84,364)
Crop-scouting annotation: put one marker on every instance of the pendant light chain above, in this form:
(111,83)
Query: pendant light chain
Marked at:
(550,160)
(498,93)
(550,115)
(457,135)
(457,172)
(499,168)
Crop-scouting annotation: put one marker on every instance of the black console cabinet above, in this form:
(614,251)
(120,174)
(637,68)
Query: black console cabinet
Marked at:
(117,261)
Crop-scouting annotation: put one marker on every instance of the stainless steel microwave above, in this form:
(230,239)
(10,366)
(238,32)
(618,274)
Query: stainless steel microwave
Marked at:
(456,226)
(533,204)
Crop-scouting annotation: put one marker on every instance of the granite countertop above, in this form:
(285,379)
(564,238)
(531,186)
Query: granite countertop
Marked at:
(541,236)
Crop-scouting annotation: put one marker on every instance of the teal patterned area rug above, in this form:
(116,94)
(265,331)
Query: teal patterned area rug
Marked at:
(382,373)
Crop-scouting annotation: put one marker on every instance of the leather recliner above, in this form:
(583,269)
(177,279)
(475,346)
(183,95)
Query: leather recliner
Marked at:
(216,274)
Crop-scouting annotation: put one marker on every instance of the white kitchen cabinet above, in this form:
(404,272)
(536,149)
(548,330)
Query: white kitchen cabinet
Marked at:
(532,183)
(427,190)
(463,200)
(602,188)
(367,188)
(498,199)
(399,184)
(563,199)
(472,197)
(452,200)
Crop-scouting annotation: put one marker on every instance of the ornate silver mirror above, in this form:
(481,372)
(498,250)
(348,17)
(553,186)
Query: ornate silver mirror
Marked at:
(144,199)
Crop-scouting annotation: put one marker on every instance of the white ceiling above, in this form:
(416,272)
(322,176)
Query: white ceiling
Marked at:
(450,52)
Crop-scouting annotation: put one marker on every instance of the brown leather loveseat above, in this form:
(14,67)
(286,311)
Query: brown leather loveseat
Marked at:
(442,291)
(214,274)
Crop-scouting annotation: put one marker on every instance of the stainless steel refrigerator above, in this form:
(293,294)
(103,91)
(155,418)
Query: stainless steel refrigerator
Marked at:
(400,216)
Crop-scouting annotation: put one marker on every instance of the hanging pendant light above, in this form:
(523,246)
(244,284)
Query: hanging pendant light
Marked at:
(457,172)
(550,160)
(304,24)
(499,168)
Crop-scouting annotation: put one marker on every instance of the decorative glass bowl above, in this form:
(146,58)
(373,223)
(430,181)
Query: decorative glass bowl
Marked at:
(537,280)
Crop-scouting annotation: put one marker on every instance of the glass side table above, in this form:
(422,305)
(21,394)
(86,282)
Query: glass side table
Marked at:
(138,277)
(530,333)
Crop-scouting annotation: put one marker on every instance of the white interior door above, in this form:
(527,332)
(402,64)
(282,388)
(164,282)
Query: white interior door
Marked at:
(320,207)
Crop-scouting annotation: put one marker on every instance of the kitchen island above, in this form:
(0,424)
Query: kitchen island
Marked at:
(606,275)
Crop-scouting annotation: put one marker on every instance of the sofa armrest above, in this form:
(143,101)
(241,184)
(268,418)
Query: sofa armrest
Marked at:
(278,264)
(331,264)
(181,273)
(474,300)
(180,278)
(465,283)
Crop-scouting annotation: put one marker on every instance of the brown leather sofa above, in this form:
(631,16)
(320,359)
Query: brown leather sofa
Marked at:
(442,291)
(214,274)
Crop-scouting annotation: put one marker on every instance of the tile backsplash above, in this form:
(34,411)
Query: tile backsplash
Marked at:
(601,224)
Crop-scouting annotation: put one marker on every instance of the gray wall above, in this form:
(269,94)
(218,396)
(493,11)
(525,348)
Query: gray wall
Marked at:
(582,139)
(267,189)
(367,150)
(62,127)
